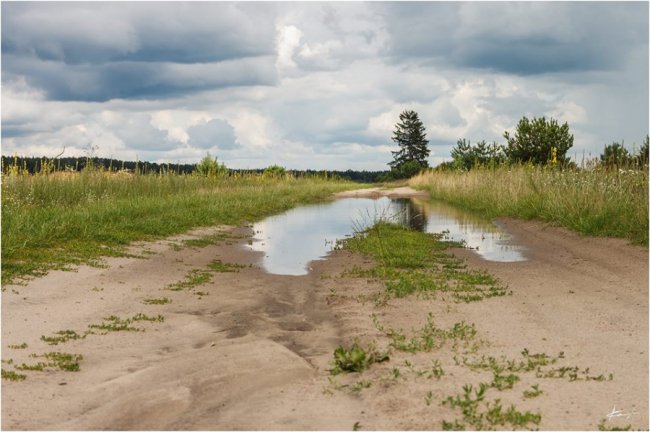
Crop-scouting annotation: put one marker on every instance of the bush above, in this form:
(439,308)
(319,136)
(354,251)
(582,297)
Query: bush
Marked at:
(275,171)
(209,167)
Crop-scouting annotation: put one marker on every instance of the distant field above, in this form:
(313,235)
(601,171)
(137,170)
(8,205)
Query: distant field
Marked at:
(50,221)
(596,202)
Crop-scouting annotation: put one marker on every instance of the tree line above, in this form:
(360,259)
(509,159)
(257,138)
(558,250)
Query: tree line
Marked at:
(209,167)
(538,142)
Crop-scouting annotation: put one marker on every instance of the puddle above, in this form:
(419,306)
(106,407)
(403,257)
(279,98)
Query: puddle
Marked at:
(291,240)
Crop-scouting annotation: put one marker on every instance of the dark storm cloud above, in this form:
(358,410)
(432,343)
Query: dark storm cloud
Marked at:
(101,51)
(519,38)
(130,79)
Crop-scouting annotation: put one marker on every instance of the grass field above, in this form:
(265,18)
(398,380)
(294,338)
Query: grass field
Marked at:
(50,221)
(595,202)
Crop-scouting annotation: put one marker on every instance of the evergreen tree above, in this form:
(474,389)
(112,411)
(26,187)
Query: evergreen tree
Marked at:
(539,141)
(615,155)
(410,135)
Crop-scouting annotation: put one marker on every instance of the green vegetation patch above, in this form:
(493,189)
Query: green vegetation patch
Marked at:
(21,346)
(430,337)
(355,358)
(222,267)
(480,414)
(156,301)
(55,360)
(192,279)
(597,201)
(115,324)
(409,261)
(62,336)
(13,376)
(51,222)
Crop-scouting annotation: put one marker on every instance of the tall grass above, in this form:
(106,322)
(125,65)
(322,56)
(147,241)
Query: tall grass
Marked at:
(50,221)
(596,202)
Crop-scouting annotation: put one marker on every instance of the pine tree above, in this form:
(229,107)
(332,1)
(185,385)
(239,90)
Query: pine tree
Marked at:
(410,135)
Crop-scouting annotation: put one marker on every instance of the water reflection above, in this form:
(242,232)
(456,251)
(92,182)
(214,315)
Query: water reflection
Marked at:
(291,240)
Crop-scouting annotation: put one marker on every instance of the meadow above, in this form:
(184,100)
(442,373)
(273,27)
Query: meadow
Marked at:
(56,219)
(596,201)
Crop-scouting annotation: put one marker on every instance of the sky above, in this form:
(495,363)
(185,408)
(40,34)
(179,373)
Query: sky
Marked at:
(314,85)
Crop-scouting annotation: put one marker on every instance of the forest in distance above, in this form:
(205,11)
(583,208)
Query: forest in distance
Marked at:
(33,165)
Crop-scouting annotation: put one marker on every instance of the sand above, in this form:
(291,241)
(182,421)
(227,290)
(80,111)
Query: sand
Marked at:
(251,350)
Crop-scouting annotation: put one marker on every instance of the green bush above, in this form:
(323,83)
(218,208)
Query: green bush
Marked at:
(209,167)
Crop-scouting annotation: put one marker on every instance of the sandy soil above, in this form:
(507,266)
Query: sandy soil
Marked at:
(251,350)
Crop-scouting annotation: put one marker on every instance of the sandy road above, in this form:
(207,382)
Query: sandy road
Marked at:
(251,350)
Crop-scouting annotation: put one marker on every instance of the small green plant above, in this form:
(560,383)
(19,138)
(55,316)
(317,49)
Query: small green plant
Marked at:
(356,426)
(12,376)
(603,426)
(115,324)
(355,359)
(55,360)
(503,382)
(222,267)
(481,414)
(192,279)
(64,361)
(63,336)
(21,346)
(533,392)
(428,398)
(430,337)
(452,426)
(156,301)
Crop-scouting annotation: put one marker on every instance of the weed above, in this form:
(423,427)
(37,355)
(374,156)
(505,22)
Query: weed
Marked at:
(503,382)
(114,323)
(63,336)
(64,361)
(355,358)
(192,279)
(21,346)
(428,398)
(218,266)
(430,337)
(481,414)
(12,376)
(603,426)
(56,360)
(452,426)
(356,426)
(156,301)
(533,393)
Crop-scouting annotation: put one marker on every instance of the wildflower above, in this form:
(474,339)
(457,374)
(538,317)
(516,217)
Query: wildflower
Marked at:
(554,155)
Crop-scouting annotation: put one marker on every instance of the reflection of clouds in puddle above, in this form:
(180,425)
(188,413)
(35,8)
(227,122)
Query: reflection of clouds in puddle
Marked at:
(291,240)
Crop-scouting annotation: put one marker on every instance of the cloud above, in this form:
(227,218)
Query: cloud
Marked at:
(214,133)
(524,38)
(101,51)
(314,85)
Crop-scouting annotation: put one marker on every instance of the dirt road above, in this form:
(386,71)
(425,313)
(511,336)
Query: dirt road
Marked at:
(251,350)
